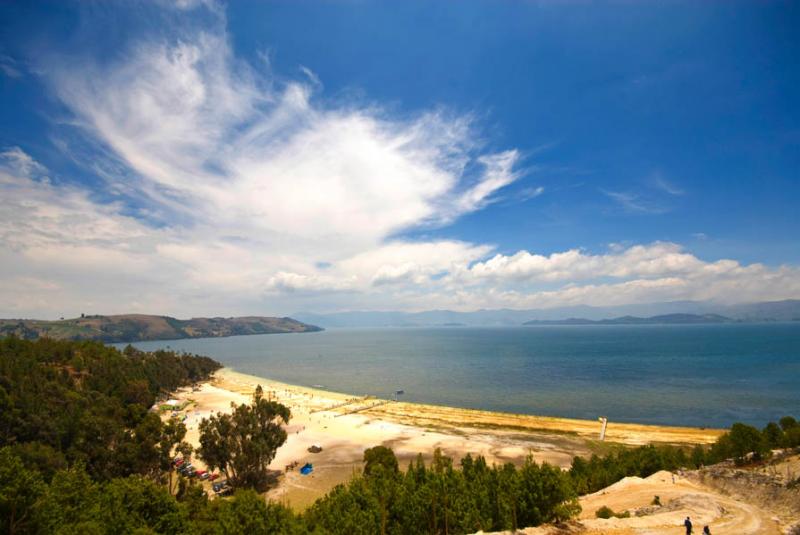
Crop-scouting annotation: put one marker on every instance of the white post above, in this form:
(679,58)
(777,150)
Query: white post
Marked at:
(604,421)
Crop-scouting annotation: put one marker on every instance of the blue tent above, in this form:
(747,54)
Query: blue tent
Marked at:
(307,469)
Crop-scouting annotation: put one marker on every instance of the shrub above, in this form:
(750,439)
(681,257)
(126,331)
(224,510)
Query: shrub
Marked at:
(604,512)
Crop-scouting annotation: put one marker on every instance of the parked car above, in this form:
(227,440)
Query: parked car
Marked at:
(212,477)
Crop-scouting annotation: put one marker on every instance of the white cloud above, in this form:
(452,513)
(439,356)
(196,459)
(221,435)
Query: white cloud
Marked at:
(269,200)
(661,183)
(210,137)
(530,193)
(651,260)
(62,252)
(634,202)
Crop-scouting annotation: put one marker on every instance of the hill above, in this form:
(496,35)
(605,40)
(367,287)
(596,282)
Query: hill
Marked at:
(141,327)
(664,319)
(787,310)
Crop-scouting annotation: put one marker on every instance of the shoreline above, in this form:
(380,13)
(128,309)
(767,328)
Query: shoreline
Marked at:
(345,425)
(617,432)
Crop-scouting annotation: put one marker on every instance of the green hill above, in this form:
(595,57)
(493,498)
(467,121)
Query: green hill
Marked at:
(140,327)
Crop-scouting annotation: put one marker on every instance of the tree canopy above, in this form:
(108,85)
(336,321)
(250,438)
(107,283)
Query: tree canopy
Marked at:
(81,453)
(243,443)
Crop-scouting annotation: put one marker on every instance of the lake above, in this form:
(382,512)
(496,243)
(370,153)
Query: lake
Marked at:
(697,375)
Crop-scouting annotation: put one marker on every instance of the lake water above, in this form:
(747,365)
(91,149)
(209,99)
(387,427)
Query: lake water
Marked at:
(699,375)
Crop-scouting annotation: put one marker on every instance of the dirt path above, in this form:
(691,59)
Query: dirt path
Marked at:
(704,505)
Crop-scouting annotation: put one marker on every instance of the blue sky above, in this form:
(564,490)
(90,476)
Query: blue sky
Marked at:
(265,157)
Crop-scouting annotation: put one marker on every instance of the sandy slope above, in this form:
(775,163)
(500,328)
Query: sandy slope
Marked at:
(345,426)
(680,499)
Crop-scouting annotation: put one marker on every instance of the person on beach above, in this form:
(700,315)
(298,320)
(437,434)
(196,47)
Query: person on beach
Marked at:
(688,524)
(706,531)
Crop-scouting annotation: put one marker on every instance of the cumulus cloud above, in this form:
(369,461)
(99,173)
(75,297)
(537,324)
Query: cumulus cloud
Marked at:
(253,180)
(656,259)
(62,249)
(225,190)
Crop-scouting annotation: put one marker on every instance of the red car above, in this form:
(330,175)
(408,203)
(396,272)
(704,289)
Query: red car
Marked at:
(212,477)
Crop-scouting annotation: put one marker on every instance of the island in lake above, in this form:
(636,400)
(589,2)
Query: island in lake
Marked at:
(140,327)
(664,319)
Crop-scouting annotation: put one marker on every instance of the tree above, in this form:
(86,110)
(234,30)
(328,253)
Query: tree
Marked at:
(788,422)
(379,456)
(248,513)
(242,444)
(773,435)
(71,504)
(744,440)
(135,504)
(20,488)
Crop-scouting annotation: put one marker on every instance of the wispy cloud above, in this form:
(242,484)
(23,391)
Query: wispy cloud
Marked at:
(10,67)
(661,183)
(225,190)
(61,252)
(530,193)
(634,202)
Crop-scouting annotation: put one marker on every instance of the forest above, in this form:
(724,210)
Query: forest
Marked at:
(80,451)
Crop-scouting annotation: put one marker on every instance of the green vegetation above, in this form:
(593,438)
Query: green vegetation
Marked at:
(442,499)
(745,443)
(595,473)
(243,443)
(138,327)
(606,512)
(63,403)
(81,453)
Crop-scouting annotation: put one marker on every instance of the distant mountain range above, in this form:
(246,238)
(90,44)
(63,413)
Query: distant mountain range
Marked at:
(788,310)
(141,327)
(664,319)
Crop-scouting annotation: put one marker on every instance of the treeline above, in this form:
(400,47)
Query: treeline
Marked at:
(72,502)
(424,499)
(81,453)
(440,498)
(64,403)
(433,498)
(745,443)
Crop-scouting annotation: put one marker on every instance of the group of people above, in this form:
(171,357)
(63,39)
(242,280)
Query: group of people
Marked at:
(688,524)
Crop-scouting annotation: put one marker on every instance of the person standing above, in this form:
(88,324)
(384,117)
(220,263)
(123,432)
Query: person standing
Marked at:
(688,524)
(706,531)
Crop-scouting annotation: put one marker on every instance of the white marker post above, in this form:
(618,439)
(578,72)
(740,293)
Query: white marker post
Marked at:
(603,420)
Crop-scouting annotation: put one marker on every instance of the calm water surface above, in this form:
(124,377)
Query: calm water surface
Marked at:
(700,375)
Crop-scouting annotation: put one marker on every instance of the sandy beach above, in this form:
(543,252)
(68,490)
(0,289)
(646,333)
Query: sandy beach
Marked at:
(345,425)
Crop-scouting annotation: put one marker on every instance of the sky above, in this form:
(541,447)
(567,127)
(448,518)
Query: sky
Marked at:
(199,158)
